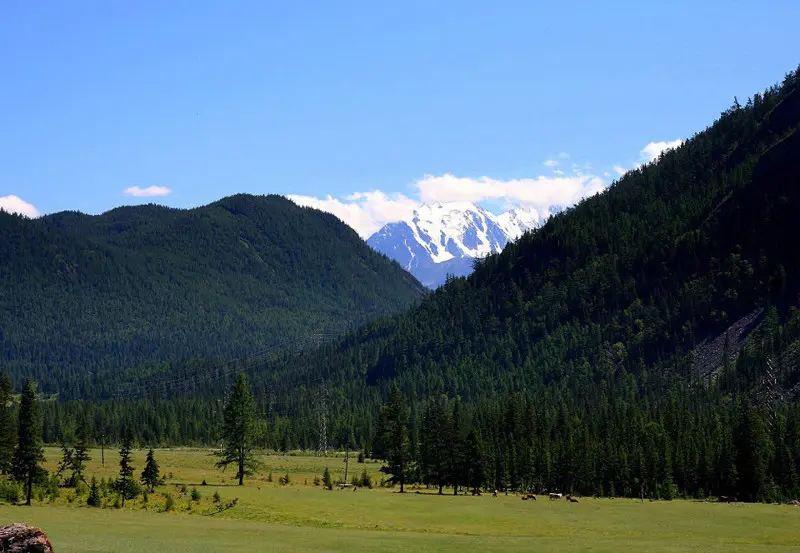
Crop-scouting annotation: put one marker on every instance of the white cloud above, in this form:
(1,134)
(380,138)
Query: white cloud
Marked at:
(365,212)
(15,204)
(537,192)
(148,192)
(653,149)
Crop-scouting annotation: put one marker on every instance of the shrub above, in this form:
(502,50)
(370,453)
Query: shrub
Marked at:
(196,495)
(10,492)
(360,456)
(366,481)
(204,483)
(184,489)
(169,504)
(327,481)
(81,488)
(316,480)
(284,480)
(217,497)
(269,477)
(117,503)
(145,498)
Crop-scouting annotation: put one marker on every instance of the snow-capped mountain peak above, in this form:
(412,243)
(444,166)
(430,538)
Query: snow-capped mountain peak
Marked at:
(444,238)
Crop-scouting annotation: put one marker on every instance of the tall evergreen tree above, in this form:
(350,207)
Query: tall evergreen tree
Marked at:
(8,435)
(393,445)
(29,454)
(126,485)
(238,432)
(80,453)
(150,475)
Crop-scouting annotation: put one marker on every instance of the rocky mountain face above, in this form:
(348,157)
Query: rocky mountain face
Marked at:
(444,239)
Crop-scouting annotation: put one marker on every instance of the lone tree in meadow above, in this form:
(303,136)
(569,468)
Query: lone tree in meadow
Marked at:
(150,475)
(29,453)
(80,454)
(393,445)
(238,432)
(126,485)
(8,436)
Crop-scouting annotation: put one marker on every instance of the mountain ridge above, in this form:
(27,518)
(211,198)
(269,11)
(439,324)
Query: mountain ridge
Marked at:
(445,238)
(90,294)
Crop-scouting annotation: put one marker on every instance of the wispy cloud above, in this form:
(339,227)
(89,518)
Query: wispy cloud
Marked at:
(148,192)
(367,212)
(15,204)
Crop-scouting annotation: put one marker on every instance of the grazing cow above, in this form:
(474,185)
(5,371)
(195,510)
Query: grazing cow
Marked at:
(524,498)
(555,496)
(494,493)
(476,491)
(726,499)
(571,499)
(531,496)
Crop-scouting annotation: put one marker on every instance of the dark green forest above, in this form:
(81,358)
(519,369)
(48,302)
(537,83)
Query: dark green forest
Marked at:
(86,297)
(642,343)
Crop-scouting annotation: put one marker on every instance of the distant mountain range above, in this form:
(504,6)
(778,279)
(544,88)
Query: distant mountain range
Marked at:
(444,239)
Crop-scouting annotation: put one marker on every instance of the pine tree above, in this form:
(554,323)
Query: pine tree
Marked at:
(125,485)
(238,432)
(393,444)
(8,435)
(80,454)
(327,481)
(150,474)
(65,466)
(476,465)
(29,453)
(94,494)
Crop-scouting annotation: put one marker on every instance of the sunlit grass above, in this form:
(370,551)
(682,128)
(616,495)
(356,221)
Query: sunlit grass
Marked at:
(302,517)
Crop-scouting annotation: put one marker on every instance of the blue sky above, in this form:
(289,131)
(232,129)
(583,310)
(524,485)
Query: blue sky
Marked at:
(363,108)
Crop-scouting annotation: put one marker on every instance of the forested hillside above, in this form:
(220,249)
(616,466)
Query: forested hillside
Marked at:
(568,361)
(87,296)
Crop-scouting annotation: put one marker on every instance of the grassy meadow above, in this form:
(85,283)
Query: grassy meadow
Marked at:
(301,517)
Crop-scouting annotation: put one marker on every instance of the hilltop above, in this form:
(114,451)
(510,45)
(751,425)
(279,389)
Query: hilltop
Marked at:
(84,296)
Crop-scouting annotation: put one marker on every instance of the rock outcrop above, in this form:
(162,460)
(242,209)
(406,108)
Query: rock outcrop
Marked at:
(21,538)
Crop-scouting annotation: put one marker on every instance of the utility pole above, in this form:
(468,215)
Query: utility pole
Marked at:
(103,449)
(322,418)
(346,462)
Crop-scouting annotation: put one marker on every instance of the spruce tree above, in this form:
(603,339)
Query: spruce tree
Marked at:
(125,485)
(8,435)
(94,494)
(29,453)
(238,436)
(150,474)
(393,444)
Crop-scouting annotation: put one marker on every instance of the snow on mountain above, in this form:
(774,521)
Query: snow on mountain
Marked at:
(445,238)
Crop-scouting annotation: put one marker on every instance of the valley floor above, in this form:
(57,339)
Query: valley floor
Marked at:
(301,517)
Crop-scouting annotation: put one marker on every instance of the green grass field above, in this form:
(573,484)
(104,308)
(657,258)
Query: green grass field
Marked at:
(301,517)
